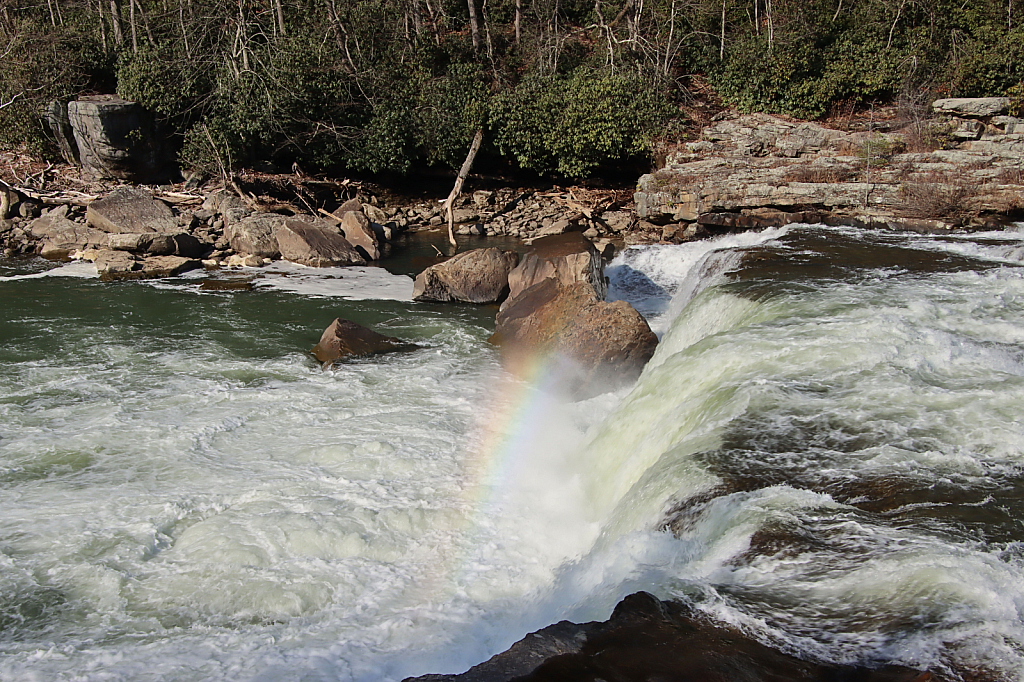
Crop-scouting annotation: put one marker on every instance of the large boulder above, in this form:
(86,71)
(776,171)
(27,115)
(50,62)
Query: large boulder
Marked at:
(181,244)
(567,258)
(649,639)
(66,236)
(358,230)
(599,345)
(116,138)
(477,276)
(254,234)
(344,339)
(131,210)
(314,244)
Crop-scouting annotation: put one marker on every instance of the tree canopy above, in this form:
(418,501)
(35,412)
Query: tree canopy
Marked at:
(561,87)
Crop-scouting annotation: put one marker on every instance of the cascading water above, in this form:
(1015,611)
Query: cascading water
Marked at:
(825,451)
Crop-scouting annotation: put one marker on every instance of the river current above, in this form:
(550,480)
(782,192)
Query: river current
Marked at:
(827,451)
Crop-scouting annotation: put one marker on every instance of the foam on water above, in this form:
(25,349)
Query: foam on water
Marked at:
(203,511)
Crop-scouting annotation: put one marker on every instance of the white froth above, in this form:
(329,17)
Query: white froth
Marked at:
(204,515)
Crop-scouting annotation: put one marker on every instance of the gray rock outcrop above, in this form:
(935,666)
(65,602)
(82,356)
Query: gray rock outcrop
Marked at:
(116,138)
(972,106)
(254,235)
(477,276)
(756,163)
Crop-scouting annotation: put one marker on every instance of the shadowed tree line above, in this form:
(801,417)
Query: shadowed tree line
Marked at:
(562,88)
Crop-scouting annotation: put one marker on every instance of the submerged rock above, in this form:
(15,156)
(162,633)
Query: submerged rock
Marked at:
(598,345)
(646,639)
(477,276)
(344,339)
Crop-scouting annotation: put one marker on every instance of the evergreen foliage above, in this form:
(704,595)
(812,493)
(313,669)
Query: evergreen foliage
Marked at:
(561,87)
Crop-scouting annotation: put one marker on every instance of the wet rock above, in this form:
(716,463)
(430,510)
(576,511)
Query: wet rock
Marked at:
(114,265)
(116,138)
(477,276)
(567,258)
(345,339)
(599,345)
(646,639)
(168,266)
(131,210)
(254,235)
(314,244)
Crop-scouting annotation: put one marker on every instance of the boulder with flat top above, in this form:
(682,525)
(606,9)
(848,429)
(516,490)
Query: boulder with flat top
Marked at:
(477,276)
(131,210)
(314,243)
(567,258)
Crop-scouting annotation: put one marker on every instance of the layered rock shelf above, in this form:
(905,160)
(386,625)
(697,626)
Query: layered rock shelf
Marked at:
(963,166)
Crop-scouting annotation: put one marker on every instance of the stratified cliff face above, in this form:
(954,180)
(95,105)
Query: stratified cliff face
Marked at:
(963,164)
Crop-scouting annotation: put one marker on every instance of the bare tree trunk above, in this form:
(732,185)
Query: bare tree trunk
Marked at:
(184,32)
(721,39)
(115,21)
(519,20)
(103,32)
(280,16)
(459,181)
(474,25)
(417,18)
(131,18)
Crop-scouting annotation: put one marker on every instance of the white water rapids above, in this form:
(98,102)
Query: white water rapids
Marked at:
(826,451)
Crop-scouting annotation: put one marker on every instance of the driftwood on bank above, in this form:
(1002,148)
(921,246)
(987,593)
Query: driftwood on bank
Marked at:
(459,181)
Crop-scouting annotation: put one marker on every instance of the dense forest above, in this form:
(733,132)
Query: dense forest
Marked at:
(561,88)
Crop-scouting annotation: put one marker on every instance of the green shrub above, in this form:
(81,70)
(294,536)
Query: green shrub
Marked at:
(572,125)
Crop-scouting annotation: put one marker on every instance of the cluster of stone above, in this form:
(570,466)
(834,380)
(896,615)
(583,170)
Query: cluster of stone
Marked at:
(758,170)
(526,214)
(130,234)
(552,311)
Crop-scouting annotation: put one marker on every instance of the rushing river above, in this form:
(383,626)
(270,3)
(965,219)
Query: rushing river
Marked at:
(827,451)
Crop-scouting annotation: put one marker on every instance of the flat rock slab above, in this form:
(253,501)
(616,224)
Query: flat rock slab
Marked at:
(345,339)
(567,258)
(66,236)
(477,276)
(972,106)
(131,210)
(150,268)
(314,244)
